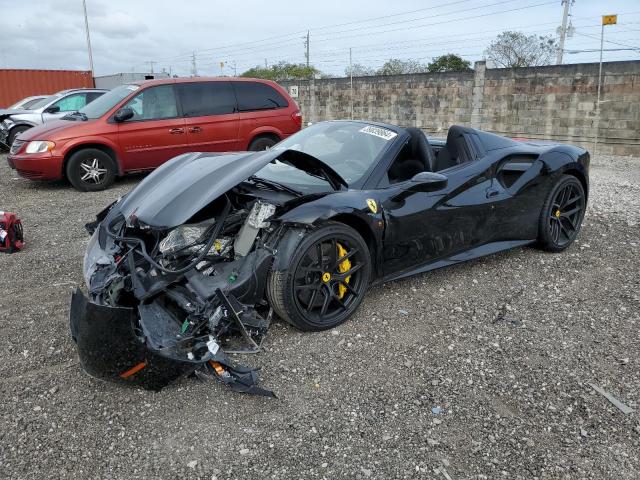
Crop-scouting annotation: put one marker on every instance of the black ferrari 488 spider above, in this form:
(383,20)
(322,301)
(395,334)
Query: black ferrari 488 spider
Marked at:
(190,265)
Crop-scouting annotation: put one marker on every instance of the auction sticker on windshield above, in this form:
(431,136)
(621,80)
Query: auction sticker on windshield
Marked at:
(379,132)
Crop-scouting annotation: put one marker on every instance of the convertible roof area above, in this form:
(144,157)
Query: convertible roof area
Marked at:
(463,144)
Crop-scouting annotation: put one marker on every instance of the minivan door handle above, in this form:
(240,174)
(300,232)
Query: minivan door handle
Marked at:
(195,129)
(175,131)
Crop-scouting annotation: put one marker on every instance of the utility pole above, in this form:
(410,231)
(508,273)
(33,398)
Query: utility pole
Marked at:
(306,44)
(311,84)
(194,67)
(351,78)
(606,20)
(86,28)
(265,63)
(563,31)
(151,63)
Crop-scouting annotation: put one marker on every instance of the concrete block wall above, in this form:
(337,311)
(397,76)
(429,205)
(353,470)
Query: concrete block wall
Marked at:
(554,103)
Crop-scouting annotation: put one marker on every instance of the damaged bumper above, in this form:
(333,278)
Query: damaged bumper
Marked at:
(150,320)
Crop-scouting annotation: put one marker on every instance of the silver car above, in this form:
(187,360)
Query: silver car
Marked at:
(14,122)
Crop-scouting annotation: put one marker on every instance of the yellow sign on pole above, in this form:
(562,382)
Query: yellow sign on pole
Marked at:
(609,19)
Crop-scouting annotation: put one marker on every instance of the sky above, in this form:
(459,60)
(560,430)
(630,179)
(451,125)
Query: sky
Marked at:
(128,35)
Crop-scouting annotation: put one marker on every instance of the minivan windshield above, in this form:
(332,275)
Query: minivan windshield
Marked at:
(106,102)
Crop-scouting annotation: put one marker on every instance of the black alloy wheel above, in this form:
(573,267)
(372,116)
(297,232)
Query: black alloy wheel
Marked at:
(327,279)
(562,214)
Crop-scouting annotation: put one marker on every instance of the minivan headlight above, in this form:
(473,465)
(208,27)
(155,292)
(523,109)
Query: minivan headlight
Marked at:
(39,146)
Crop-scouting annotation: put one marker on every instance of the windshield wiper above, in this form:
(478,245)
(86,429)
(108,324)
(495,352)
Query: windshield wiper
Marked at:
(275,185)
(72,115)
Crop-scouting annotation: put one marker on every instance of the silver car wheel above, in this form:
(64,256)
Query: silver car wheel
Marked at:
(93,170)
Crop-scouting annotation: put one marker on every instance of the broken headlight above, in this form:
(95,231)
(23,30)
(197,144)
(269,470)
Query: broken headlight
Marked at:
(260,213)
(185,238)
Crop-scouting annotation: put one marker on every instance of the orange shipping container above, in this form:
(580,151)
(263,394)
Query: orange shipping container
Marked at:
(18,84)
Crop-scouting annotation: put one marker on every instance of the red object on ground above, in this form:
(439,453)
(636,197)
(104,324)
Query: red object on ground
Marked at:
(11,236)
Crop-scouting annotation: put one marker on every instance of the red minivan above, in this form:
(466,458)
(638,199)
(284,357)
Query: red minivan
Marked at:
(139,126)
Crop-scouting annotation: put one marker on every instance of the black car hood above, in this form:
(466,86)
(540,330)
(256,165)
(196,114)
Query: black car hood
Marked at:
(181,187)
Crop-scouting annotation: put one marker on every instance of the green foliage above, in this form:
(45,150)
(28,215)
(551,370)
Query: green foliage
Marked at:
(282,71)
(516,49)
(448,63)
(395,66)
(359,71)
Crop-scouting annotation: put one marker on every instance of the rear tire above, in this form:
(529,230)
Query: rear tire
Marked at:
(91,170)
(562,214)
(15,132)
(316,291)
(262,143)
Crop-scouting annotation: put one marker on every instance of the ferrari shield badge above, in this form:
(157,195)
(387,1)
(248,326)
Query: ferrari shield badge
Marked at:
(373,206)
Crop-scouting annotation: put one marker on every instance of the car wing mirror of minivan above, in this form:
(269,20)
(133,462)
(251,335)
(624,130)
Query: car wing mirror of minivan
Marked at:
(123,114)
(52,109)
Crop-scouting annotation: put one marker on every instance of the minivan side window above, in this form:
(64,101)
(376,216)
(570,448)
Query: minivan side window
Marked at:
(91,96)
(258,96)
(72,102)
(206,98)
(154,103)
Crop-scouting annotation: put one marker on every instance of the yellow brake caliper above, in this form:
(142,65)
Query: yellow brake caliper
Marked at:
(343,267)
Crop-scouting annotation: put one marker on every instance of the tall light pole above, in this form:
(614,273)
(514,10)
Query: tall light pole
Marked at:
(606,20)
(86,28)
(563,31)
(351,78)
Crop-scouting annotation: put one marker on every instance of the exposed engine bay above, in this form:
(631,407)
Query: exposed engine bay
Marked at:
(189,295)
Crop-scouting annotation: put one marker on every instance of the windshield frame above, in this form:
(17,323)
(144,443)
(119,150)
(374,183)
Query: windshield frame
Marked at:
(131,88)
(375,163)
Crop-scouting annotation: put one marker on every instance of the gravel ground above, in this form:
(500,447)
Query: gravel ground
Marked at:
(505,346)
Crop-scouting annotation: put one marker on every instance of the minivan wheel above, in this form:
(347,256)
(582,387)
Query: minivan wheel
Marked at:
(90,170)
(15,132)
(262,143)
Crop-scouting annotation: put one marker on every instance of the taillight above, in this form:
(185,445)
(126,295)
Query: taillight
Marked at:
(297,117)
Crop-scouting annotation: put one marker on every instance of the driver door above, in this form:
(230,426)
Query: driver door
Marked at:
(424,227)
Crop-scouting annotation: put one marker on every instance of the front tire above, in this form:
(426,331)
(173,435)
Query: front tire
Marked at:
(91,170)
(562,214)
(324,281)
(15,132)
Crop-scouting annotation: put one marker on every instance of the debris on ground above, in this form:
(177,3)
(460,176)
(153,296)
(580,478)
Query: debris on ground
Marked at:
(616,403)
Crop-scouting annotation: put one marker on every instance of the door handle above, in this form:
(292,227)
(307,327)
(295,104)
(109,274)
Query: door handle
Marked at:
(175,131)
(195,129)
(492,192)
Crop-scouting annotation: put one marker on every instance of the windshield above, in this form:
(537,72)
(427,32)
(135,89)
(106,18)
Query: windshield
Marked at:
(106,102)
(45,101)
(350,148)
(29,105)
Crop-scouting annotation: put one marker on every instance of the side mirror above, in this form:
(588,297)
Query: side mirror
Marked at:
(427,182)
(123,114)
(52,109)
(421,182)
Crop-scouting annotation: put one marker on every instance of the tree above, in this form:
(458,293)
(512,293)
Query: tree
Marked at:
(359,70)
(282,71)
(515,49)
(395,66)
(448,63)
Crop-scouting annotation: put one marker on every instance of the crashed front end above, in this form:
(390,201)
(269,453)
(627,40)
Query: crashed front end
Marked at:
(168,302)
